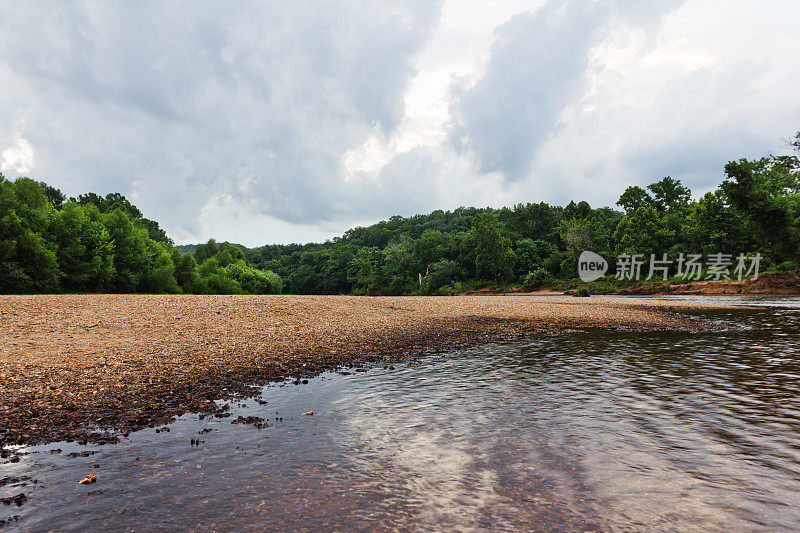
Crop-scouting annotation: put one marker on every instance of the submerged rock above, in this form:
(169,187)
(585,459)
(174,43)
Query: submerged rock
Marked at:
(256,421)
(18,499)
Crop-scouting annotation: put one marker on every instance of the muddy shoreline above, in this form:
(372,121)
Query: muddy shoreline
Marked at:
(767,284)
(88,368)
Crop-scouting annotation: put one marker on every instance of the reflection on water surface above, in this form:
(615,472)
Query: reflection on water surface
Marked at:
(587,431)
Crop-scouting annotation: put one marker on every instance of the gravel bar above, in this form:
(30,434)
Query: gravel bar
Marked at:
(86,368)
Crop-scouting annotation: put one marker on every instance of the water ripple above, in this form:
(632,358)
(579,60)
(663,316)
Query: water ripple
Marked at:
(589,430)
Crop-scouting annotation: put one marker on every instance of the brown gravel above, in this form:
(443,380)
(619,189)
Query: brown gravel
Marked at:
(71,365)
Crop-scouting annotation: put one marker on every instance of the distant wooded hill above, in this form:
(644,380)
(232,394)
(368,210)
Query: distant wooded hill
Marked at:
(96,244)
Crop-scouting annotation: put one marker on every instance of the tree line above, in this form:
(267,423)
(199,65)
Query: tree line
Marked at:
(756,209)
(97,244)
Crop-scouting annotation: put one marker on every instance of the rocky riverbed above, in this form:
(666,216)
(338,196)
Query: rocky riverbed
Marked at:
(88,368)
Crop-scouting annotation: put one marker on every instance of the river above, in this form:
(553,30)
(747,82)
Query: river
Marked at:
(588,431)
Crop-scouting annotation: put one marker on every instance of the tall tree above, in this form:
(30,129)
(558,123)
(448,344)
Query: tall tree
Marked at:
(131,254)
(363,270)
(27,261)
(767,192)
(669,195)
(85,248)
(54,196)
(494,258)
(633,198)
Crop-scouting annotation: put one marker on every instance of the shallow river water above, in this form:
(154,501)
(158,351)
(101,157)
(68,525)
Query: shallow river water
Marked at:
(586,431)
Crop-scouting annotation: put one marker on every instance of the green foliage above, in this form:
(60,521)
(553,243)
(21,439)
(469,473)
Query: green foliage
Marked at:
(115,201)
(532,221)
(669,195)
(643,232)
(215,279)
(225,252)
(95,243)
(583,292)
(363,270)
(109,203)
(131,258)
(53,195)
(580,210)
(225,270)
(633,198)
(398,257)
(103,243)
(452,289)
(253,280)
(433,246)
(159,276)
(535,279)
(85,248)
(712,224)
(441,273)
(494,258)
(591,232)
(27,260)
(186,273)
(767,194)
(533,254)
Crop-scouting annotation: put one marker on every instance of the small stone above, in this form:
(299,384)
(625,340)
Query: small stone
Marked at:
(18,500)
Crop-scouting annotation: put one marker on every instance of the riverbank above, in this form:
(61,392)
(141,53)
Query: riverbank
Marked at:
(767,284)
(71,365)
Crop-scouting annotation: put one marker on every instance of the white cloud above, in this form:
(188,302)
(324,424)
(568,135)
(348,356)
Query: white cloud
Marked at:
(630,97)
(17,157)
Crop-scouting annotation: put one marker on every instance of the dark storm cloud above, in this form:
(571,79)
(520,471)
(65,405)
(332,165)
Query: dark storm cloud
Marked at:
(175,103)
(538,67)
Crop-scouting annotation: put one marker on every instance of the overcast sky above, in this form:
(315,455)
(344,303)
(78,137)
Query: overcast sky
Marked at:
(262,122)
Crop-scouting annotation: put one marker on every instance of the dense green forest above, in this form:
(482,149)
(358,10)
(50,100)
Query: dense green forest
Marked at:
(103,244)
